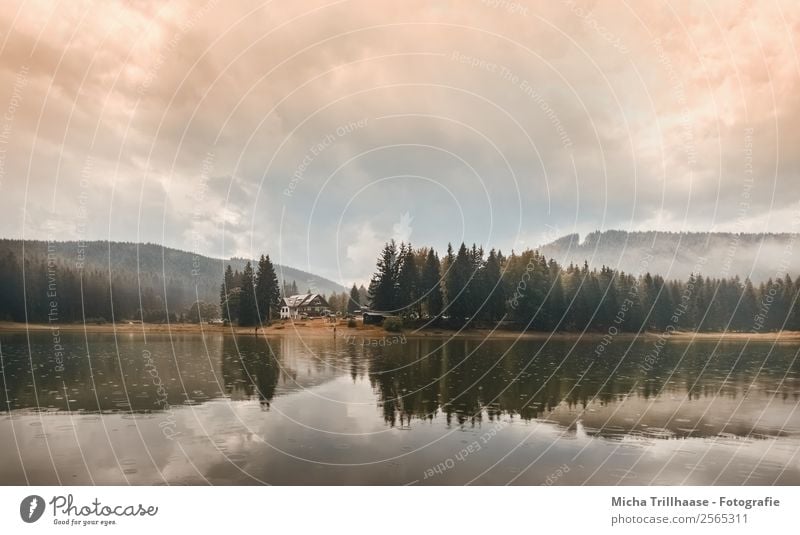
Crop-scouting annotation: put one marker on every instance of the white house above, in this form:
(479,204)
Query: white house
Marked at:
(310,304)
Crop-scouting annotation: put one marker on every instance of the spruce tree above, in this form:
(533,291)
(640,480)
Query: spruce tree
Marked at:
(247,298)
(267,295)
(225,290)
(354,302)
(363,295)
(496,298)
(383,286)
(457,280)
(430,284)
(407,280)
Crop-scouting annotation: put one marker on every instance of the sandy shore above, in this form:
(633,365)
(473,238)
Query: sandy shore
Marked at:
(321,328)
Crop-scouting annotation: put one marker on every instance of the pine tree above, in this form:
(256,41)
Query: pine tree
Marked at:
(248,315)
(663,305)
(383,286)
(430,284)
(267,295)
(363,295)
(555,300)
(229,313)
(456,283)
(794,311)
(354,302)
(407,280)
(495,304)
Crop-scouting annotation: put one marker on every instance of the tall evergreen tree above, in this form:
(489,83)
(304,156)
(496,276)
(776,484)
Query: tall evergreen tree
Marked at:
(267,293)
(495,304)
(457,283)
(229,312)
(383,286)
(363,295)
(354,302)
(555,300)
(407,281)
(248,315)
(430,284)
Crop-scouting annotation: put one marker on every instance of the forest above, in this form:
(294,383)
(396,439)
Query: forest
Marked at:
(143,280)
(521,291)
(526,291)
(674,254)
(45,288)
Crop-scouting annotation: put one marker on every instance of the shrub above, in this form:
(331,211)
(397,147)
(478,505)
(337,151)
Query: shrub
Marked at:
(351,323)
(393,325)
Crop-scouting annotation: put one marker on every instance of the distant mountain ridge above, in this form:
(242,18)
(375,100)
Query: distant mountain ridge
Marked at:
(675,255)
(156,262)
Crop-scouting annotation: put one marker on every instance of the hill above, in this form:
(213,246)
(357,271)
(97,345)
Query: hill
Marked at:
(185,275)
(675,255)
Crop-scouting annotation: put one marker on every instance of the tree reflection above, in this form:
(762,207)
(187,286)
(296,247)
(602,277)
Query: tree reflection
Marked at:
(468,380)
(250,369)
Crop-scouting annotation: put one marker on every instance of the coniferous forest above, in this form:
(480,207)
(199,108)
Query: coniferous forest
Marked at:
(523,291)
(143,281)
(529,292)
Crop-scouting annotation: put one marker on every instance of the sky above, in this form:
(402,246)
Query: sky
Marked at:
(314,131)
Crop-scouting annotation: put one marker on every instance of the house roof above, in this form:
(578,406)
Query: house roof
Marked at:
(299,300)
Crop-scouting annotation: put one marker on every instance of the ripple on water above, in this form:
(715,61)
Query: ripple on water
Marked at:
(658,432)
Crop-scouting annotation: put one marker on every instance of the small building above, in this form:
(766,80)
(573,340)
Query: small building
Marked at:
(309,304)
(373,318)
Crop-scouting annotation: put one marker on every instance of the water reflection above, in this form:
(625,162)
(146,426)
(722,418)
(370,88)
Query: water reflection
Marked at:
(465,380)
(385,412)
(469,381)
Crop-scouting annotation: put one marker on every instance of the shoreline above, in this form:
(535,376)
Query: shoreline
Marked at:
(319,328)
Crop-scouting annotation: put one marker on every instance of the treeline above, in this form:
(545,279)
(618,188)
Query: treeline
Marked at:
(670,252)
(348,302)
(50,290)
(179,277)
(532,292)
(250,298)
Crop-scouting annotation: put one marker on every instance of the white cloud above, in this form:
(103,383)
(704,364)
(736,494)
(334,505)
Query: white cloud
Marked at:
(147,95)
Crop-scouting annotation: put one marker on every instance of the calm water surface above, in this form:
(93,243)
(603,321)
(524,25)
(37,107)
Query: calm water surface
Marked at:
(214,409)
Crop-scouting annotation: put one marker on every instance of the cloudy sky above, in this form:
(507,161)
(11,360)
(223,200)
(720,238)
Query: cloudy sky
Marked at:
(316,130)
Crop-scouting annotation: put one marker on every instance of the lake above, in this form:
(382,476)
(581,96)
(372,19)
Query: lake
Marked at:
(190,409)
